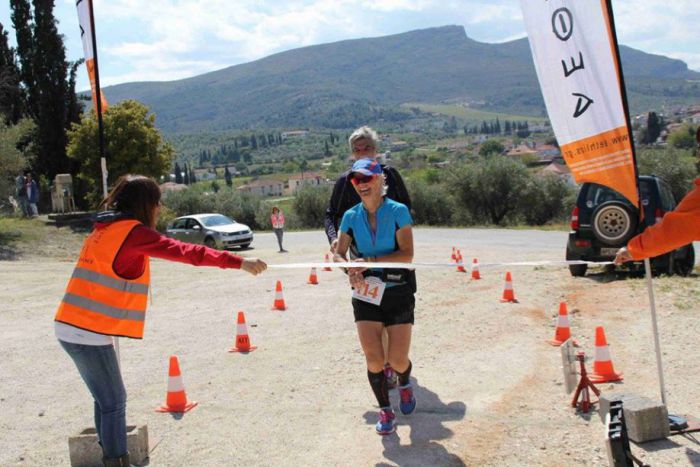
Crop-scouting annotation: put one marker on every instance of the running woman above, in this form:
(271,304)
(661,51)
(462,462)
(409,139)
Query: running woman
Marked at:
(380,230)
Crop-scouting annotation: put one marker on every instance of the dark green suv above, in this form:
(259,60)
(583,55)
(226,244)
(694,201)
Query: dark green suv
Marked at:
(603,221)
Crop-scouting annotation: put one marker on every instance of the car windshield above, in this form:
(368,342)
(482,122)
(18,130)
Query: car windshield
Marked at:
(213,221)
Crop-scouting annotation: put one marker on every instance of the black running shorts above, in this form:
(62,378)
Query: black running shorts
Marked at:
(396,307)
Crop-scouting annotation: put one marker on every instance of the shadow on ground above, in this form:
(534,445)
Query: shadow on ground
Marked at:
(427,427)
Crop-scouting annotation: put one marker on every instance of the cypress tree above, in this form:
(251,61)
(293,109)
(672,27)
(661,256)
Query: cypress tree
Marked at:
(178,173)
(22,23)
(227,177)
(11,108)
(186,170)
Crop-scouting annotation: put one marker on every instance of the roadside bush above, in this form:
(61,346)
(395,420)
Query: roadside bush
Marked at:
(242,207)
(430,203)
(310,205)
(165,217)
(676,166)
(490,189)
(545,199)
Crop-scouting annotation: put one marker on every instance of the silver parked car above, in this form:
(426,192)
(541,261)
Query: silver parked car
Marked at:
(212,230)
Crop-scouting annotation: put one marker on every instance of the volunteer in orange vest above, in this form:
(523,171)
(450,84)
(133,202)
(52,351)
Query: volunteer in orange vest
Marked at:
(677,228)
(107,296)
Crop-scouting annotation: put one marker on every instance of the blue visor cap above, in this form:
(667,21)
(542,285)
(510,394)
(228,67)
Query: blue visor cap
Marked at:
(366,167)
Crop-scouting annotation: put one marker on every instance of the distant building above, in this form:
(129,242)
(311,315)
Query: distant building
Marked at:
(695,118)
(399,145)
(203,175)
(522,150)
(548,152)
(172,186)
(560,170)
(294,134)
(307,179)
(263,188)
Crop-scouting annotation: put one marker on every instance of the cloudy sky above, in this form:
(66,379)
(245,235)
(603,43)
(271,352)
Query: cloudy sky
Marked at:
(168,39)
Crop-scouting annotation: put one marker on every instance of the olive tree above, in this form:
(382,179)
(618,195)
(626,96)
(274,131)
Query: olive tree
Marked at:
(133,145)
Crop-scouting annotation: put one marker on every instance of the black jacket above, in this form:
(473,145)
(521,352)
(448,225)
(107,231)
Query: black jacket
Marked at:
(344,197)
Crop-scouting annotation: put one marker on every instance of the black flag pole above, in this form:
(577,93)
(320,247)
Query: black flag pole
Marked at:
(98,104)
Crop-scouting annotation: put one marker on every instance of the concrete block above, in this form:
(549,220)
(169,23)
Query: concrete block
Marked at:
(86,452)
(646,420)
(606,399)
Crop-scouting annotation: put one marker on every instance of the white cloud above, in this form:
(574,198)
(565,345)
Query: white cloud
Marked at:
(172,39)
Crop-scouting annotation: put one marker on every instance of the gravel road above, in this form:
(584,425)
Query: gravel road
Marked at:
(489,389)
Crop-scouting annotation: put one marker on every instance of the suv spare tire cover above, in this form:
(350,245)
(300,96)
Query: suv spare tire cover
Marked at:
(614,223)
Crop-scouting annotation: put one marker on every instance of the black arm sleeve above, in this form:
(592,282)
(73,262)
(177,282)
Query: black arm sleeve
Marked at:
(396,187)
(332,210)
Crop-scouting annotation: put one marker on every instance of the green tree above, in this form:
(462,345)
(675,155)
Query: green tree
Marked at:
(490,189)
(186,174)
(11,107)
(310,204)
(326,151)
(15,154)
(491,147)
(676,166)
(178,173)
(227,177)
(683,137)
(653,128)
(545,199)
(49,81)
(134,145)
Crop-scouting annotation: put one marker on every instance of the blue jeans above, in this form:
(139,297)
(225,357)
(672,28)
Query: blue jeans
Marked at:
(98,366)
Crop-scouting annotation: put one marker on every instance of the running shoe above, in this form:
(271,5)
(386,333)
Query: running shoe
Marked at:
(408,401)
(392,379)
(387,421)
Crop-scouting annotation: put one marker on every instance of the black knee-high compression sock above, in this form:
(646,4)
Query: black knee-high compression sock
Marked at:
(405,376)
(381,391)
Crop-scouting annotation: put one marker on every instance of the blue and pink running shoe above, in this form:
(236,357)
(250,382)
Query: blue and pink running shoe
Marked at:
(387,421)
(408,401)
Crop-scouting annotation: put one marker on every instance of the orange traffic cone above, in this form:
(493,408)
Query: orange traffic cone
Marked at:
(603,370)
(327,268)
(563,331)
(176,400)
(313,279)
(242,340)
(454,256)
(279,299)
(475,270)
(508,294)
(460,265)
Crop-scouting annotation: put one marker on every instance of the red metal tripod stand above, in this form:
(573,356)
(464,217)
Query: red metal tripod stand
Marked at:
(582,388)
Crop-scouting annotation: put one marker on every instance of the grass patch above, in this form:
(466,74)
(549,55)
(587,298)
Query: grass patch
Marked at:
(472,115)
(26,238)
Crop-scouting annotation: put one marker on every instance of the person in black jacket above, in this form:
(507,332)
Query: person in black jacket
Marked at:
(364,143)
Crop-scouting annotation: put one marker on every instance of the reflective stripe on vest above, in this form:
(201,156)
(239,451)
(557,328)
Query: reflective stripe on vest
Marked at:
(96,298)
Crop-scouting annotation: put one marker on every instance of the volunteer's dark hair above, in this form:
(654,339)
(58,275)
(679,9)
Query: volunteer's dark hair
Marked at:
(135,195)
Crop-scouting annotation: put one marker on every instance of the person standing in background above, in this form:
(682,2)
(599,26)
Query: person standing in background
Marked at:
(277,220)
(21,194)
(32,195)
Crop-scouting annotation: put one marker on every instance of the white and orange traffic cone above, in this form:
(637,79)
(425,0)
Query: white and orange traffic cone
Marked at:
(176,399)
(327,268)
(563,331)
(508,294)
(460,265)
(313,278)
(242,340)
(475,270)
(279,298)
(603,370)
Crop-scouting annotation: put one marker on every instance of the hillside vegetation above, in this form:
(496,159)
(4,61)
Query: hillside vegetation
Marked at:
(347,83)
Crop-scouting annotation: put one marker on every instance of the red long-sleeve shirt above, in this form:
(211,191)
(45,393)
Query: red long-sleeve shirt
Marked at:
(677,228)
(143,242)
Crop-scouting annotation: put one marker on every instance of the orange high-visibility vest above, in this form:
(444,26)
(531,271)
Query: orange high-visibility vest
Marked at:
(96,298)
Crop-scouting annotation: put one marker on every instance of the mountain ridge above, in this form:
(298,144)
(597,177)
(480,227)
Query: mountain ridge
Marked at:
(342,83)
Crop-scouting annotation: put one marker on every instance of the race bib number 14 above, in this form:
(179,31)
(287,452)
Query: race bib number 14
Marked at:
(372,292)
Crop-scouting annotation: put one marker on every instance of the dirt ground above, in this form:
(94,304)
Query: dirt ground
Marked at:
(489,388)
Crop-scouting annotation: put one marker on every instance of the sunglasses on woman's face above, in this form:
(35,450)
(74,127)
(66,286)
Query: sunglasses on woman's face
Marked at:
(362,148)
(359,178)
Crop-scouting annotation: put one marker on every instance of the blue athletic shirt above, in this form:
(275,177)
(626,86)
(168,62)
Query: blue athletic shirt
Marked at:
(391,216)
